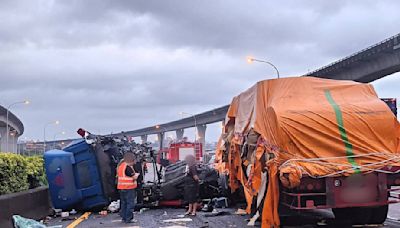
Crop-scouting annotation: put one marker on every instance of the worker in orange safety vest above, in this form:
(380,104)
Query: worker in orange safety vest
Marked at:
(126,184)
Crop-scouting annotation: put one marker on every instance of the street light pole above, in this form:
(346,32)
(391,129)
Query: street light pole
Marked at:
(250,60)
(13,136)
(7,126)
(44,133)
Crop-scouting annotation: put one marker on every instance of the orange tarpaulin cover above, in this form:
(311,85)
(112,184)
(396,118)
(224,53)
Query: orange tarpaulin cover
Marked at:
(313,126)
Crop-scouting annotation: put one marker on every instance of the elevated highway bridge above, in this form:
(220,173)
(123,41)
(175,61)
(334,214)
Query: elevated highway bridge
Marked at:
(16,128)
(367,65)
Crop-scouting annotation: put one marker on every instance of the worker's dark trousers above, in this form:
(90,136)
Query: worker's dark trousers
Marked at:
(139,194)
(127,200)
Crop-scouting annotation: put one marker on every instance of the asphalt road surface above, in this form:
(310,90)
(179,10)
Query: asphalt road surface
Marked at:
(155,218)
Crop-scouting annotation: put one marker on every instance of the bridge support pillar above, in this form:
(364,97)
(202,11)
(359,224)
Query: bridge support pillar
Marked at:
(179,134)
(3,142)
(12,141)
(160,137)
(143,138)
(201,135)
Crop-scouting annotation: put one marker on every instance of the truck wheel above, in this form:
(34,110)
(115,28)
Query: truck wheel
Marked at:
(355,215)
(173,174)
(379,214)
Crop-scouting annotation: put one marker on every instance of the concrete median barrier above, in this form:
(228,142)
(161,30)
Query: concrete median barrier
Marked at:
(33,203)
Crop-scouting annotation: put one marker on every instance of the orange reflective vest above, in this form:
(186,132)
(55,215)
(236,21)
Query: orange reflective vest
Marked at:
(125,182)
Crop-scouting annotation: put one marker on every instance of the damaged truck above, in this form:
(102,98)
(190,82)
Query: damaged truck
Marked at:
(305,143)
(83,174)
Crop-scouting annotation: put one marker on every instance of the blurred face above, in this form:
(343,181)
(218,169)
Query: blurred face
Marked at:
(129,158)
(190,159)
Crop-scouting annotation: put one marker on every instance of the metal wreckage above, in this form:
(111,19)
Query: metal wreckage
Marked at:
(83,174)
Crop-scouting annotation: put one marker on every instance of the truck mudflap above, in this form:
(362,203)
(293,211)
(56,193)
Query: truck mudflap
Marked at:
(359,190)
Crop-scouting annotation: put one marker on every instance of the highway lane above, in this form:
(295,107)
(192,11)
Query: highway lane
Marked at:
(156,218)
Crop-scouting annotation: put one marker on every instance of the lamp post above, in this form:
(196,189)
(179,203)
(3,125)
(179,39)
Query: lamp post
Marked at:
(8,110)
(12,134)
(195,123)
(251,59)
(54,138)
(44,132)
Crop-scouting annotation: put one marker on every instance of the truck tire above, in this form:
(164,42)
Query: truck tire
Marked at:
(354,215)
(173,189)
(176,165)
(174,171)
(173,174)
(379,214)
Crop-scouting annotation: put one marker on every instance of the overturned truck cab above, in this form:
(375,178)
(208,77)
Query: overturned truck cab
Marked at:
(79,177)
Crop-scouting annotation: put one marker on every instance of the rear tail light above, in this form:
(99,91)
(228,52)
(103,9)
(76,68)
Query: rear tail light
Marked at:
(310,187)
(309,184)
(310,204)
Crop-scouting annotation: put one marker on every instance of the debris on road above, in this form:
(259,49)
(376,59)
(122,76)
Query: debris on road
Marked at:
(21,222)
(73,212)
(57,211)
(217,213)
(64,214)
(241,212)
(114,206)
(220,202)
(178,220)
(144,209)
(103,213)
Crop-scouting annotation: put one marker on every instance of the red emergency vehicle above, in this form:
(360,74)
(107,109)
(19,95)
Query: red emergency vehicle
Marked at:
(177,151)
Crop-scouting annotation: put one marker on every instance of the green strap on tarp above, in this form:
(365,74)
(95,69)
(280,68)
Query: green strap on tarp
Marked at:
(342,130)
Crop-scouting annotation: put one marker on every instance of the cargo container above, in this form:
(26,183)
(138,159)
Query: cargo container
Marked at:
(305,143)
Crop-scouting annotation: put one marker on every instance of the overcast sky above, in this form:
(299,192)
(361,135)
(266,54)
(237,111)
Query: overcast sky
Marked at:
(109,66)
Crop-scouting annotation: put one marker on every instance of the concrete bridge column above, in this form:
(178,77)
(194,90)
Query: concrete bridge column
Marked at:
(201,135)
(179,134)
(3,142)
(160,139)
(143,138)
(12,141)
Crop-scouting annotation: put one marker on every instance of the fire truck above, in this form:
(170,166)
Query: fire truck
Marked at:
(177,151)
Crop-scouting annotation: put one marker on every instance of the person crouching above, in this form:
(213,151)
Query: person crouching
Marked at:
(126,184)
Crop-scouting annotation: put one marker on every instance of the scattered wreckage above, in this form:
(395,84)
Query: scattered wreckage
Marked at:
(82,175)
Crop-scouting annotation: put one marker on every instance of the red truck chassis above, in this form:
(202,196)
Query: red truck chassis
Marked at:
(359,190)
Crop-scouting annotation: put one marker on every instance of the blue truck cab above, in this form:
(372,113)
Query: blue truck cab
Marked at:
(74,177)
